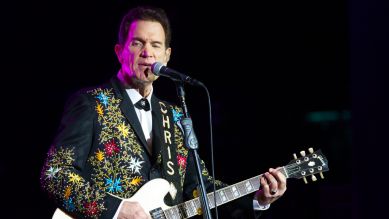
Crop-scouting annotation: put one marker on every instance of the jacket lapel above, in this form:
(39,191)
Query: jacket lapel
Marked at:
(167,148)
(157,127)
(127,107)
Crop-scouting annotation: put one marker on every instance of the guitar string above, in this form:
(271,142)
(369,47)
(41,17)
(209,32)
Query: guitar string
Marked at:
(288,167)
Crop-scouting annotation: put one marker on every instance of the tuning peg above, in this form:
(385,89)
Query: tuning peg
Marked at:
(321,175)
(302,153)
(310,150)
(314,178)
(305,180)
(295,156)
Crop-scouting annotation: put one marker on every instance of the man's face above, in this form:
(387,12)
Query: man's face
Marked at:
(145,45)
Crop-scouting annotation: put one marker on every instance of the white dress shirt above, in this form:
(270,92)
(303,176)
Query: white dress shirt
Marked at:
(144,117)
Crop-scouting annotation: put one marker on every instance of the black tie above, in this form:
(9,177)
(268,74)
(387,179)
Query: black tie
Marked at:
(143,104)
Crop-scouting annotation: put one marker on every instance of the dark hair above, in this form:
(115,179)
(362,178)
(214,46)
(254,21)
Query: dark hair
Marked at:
(144,13)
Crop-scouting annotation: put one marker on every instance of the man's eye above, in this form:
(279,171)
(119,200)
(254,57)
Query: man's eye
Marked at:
(156,45)
(136,43)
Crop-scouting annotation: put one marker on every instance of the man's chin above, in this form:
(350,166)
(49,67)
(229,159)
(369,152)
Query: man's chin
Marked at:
(145,81)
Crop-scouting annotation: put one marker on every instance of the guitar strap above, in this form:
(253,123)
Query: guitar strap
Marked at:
(168,150)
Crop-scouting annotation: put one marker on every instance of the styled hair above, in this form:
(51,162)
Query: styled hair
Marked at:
(144,13)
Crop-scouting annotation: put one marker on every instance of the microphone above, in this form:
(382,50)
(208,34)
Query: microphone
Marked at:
(160,70)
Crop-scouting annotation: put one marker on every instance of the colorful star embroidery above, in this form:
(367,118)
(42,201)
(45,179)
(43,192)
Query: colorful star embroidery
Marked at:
(50,173)
(111,147)
(113,185)
(103,99)
(176,115)
(136,181)
(135,165)
(100,155)
(123,129)
(99,109)
(67,193)
(74,178)
(181,161)
(69,205)
(91,208)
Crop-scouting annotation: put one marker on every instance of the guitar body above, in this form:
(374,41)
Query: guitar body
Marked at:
(150,196)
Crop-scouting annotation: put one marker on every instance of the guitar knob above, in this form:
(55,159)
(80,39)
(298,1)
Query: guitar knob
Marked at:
(310,150)
(302,153)
(305,180)
(314,178)
(321,175)
(295,156)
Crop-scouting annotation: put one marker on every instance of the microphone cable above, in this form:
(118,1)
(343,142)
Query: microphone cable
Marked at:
(211,144)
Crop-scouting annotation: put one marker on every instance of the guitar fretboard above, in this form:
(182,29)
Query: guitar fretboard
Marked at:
(192,207)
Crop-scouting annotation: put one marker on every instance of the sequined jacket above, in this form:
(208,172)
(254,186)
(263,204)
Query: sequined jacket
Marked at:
(100,149)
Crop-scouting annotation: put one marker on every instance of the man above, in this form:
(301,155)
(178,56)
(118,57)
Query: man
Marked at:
(115,138)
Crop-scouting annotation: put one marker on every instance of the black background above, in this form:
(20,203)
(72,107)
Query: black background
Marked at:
(267,65)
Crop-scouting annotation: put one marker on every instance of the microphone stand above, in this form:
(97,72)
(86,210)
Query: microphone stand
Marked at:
(192,144)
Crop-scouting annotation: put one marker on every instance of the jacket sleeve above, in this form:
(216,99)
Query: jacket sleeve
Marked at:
(65,175)
(241,208)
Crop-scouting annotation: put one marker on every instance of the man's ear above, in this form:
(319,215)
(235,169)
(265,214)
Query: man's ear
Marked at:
(167,55)
(118,51)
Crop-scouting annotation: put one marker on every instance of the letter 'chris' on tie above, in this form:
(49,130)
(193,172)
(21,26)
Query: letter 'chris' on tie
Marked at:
(143,104)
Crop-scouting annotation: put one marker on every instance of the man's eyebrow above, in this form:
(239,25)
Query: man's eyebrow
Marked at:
(138,39)
(143,41)
(156,42)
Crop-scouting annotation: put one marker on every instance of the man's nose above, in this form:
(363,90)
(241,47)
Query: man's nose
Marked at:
(147,51)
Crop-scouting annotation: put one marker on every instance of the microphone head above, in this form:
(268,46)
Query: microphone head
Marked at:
(156,68)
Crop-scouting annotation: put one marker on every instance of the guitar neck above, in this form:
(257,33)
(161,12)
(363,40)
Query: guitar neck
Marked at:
(193,207)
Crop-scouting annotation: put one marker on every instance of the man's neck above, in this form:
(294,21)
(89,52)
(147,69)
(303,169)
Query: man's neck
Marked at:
(143,89)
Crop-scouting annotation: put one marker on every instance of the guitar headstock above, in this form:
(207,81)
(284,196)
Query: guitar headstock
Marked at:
(307,165)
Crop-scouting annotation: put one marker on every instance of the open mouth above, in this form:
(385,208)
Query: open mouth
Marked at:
(145,64)
(146,68)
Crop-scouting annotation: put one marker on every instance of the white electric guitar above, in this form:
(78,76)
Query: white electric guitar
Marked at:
(150,196)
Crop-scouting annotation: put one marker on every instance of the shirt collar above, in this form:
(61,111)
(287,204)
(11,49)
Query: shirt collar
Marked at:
(135,95)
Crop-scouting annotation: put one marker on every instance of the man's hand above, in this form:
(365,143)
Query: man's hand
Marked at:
(132,210)
(273,184)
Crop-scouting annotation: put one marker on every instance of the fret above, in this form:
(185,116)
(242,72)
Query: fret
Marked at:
(189,208)
(229,194)
(176,213)
(235,191)
(248,186)
(183,210)
(198,204)
(157,214)
(218,201)
(223,196)
(173,214)
(241,188)
(255,182)
(168,214)
(193,203)
(211,200)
